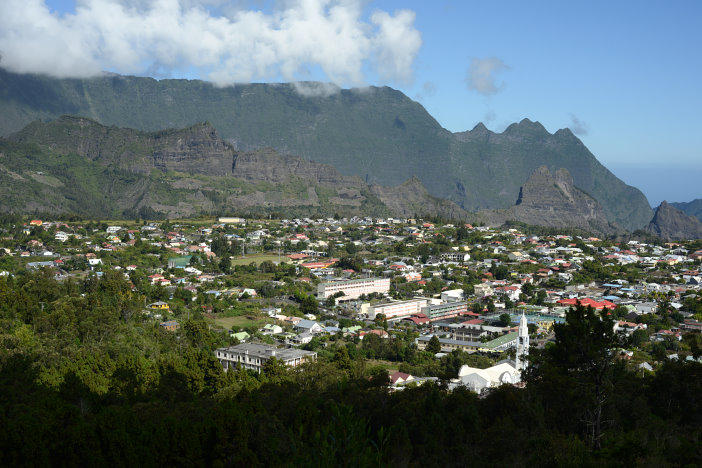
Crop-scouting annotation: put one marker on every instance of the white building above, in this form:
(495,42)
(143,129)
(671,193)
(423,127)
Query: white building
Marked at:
(232,220)
(353,289)
(453,295)
(254,356)
(461,257)
(504,372)
(399,309)
(522,353)
(61,236)
(482,290)
(308,326)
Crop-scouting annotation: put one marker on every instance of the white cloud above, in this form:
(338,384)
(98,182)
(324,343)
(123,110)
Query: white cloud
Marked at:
(481,75)
(578,126)
(396,44)
(315,88)
(219,37)
(428,90)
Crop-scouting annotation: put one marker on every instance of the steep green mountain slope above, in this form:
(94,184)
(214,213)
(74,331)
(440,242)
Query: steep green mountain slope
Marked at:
(378,134)
(508,159)
(671,223)
(693,208)
(76,165)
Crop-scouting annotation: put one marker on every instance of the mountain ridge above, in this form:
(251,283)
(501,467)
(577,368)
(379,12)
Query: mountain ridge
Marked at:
(378,134)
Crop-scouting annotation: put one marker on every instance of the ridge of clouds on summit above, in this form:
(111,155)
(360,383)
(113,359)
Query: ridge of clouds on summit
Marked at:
(230,45)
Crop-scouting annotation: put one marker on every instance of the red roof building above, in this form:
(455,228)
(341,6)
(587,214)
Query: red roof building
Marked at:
(597,305)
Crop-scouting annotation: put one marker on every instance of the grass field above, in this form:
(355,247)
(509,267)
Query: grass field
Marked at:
(259,258)
(242,321)
(388,365)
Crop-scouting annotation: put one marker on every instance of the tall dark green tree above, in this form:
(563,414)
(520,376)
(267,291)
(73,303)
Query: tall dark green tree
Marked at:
(505,319)
(579,370)
(309,305)
(434,345)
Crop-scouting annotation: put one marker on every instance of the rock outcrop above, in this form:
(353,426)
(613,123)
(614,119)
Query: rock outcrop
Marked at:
(670,223)
(195,150)
(552,200)
(267,165)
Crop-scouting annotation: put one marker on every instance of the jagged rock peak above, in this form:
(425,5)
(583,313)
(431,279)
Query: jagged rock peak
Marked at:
(542,175)
(541,171)
(565,133)
(562,176)
(671,223)
(414,180)
(553,200)
(526,126)
(480,128)
(479,133)
(544,188)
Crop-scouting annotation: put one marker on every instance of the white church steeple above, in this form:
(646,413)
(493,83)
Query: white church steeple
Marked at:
(522,343)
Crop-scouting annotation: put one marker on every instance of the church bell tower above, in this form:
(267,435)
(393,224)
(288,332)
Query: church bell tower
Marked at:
(522,343)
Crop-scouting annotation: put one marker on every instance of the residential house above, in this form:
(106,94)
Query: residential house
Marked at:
(308,326)
(240,336)
(170,325)
(271,329)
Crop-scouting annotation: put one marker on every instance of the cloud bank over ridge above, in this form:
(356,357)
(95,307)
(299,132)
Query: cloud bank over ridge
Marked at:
(481,75)
(228,44)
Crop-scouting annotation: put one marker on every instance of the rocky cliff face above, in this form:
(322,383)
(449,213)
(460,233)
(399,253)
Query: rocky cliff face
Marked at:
(195,150)
(672,224)
(267,165)
(552,200)
(76,165)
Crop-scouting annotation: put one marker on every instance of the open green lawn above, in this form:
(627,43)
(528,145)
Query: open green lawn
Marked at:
(388,365)
(259,258)
(242,321)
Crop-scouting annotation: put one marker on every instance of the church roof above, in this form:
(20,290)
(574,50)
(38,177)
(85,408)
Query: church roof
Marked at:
(491,374)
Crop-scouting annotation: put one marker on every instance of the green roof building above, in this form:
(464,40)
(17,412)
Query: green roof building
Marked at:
(179,262)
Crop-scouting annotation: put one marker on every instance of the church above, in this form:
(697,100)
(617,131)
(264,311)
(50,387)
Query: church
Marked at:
(506,371)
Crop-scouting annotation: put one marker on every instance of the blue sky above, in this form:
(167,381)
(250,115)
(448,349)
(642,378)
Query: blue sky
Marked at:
(625,76)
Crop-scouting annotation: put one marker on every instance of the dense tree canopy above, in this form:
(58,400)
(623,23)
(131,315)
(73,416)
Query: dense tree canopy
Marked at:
(87,379)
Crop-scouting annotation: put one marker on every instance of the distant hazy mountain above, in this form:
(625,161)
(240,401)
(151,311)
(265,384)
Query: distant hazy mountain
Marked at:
(378,134)
(693,208)
(76,165)
(672,224)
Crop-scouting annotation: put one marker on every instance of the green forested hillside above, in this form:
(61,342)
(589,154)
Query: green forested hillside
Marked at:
(87,381)
(378,134)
